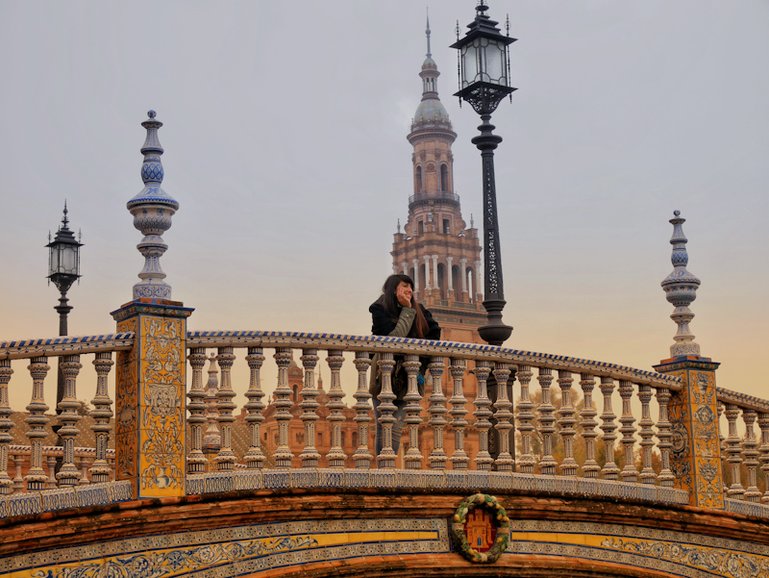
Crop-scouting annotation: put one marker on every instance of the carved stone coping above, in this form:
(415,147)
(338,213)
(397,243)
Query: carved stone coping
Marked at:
(378,344)
(742,400)
(58,346)
(430,480)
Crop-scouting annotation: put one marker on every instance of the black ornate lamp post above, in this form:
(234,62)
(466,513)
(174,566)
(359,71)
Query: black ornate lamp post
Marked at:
(63,271)
(484,80)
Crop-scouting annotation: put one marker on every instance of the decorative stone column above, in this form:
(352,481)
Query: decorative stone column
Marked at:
(436,280)
(151,376)
(416,276)
(450,278)
(693,414)
(478,282)
(463,266)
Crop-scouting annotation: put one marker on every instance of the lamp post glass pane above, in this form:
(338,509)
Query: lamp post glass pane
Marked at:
(69,259)
(495,68)
(469,64)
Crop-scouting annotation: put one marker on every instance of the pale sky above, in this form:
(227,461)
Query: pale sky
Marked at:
(285,135)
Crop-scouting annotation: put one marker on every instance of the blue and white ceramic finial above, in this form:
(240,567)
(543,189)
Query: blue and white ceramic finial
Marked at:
(152,210)
(680,290)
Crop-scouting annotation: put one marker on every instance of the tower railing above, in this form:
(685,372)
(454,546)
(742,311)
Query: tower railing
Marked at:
(447,195)
(563,424)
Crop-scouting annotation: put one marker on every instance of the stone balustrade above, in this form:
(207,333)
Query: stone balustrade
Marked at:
(487,417)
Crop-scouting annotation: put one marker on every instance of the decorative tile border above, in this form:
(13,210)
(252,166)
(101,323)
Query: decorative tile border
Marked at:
(237,550)
(25,504)
(680,553)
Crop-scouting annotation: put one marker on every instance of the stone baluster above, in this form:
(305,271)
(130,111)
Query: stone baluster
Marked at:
(412,459)
(225,459)
(750,454)
(102,413)
(720,409)
(6,484)
(362,456)
(18,463)
(196,461)
(546,422)
(36,477)
(483,461)
(386,457)
(69,475)
(310,457)
(283,403)
(763,423)
(734,460)
(503,416)
(629,472)
(566,423)
(610,470)
(336,457)
(648,476)
(438,413)
(527,461)
(212,439)
(50,461)
(82,463)
(459,459)
(588,424)
(255,457)
(665,478)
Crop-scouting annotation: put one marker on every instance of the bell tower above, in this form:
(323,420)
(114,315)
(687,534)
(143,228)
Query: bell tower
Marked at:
(436,248)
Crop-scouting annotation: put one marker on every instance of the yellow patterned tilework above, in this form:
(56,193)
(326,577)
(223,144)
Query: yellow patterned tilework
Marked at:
(161,399)
(179,561)
(126,404)
(696,449)
(724,562)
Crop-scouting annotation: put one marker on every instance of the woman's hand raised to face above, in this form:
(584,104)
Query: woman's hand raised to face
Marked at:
(403,294)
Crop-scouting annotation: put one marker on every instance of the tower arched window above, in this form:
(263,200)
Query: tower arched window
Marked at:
(419,179)
(444,178)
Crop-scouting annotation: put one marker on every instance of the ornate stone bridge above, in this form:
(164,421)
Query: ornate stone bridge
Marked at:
(577,468)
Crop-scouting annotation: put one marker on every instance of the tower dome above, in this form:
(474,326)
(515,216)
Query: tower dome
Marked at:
(430,114)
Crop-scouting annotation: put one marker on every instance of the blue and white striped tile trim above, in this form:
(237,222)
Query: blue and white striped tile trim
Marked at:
(25,348)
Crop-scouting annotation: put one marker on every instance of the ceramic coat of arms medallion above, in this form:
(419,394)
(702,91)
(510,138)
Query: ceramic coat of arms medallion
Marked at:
(480,528)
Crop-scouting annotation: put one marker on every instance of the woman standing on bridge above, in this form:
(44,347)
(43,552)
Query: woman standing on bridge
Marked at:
(396,313)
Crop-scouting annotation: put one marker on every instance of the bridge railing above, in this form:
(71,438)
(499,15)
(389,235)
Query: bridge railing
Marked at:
(586,425)
(744,452)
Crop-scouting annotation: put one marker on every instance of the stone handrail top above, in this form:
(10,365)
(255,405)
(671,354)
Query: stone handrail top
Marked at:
(58,346)
(742,400)
(405,345)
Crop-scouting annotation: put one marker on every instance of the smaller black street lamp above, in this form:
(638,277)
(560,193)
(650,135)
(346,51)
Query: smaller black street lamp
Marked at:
(63,271)
(484,80)
(63,266)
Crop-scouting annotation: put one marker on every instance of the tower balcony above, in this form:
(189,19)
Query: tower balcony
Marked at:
(424,198)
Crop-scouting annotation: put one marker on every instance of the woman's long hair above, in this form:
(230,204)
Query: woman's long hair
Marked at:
(391,305)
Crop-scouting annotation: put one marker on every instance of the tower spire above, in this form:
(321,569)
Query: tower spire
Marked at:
(427,33)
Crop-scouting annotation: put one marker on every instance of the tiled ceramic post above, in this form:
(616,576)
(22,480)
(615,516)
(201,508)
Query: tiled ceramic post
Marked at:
(693,414)
(150,378)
